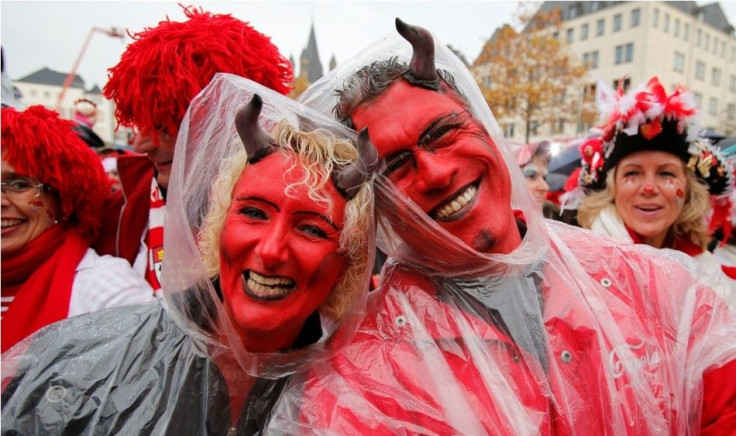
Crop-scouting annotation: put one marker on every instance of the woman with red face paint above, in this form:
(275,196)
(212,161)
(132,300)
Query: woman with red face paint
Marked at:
(53,187)
(649,178)
(269,255)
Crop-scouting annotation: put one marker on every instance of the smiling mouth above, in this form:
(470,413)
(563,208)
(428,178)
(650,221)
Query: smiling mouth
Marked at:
(456,207)
(267,287)
(7,223)
(648,209)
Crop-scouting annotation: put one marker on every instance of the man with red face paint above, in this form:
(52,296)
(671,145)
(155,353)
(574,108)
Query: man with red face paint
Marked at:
(152,85)
(489,319)
(270,236)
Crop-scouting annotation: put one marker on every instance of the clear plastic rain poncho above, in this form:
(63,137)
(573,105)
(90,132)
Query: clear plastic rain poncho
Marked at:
(570,333)
(171,366)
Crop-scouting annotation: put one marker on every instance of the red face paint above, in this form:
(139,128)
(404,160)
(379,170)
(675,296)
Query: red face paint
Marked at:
(25,216)
(443,169)
(279,254)
(649,193)
(34,205)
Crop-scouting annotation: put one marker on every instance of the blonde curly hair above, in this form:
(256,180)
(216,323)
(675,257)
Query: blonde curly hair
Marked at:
(318,152)
(690,223)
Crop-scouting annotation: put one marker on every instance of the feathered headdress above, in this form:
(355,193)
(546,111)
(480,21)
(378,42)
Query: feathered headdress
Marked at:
(39,144)
(166,66)
(648,119)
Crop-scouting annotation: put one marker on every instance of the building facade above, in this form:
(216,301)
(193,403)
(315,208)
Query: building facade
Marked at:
(44,87)
(680,42)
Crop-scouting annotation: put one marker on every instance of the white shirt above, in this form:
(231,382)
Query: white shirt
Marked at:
(102,282)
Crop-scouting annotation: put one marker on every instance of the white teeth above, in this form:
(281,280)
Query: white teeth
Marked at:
(267,291)
(10,223)
(270,281)
(270,287)
(457,203)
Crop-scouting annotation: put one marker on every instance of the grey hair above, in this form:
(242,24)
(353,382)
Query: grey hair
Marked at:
(371,81)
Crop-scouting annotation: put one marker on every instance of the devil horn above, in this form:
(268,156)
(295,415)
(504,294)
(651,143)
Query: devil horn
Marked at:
(422,70)
(256,141)
(349,178)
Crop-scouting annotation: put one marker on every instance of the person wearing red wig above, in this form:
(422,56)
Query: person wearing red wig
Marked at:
(152,85)
(53,187)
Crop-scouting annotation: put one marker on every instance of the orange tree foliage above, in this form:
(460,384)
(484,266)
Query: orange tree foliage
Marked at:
(533,75)
(299,85)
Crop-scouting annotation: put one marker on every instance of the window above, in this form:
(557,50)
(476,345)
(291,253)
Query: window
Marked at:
(629,52)
(666,22)
(732,84)
(508,130)
(572,12)
(570,33)
(626,85)
(559,126)
(617,22)
(655,18)
(584,32)
(594,6)
(731,112)
(679,65)
(590,59)
(698,98)
(677,27)
(707,41)
(715,77)
(698,37)
(723,49)
(713,106)
(534,127)
(699,70)
(600,27)
(686,32)
(34,93)
(624,53)
(47,94)
(715,45)
(635,16)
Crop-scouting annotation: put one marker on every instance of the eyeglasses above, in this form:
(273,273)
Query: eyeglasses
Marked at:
(433,139)
(21,187)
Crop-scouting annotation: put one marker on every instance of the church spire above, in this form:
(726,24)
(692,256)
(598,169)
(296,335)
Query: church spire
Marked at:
(309,60)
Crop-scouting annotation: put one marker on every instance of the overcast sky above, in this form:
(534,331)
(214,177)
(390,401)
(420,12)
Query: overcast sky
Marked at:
(51,33)
(38,34)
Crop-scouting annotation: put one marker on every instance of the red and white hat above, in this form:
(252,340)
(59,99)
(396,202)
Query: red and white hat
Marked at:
(648,119)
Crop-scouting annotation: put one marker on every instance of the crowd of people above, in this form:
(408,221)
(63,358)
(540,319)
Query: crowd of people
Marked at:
(265,316)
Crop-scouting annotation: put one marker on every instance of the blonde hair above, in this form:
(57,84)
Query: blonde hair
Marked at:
(318,152)
(690,223)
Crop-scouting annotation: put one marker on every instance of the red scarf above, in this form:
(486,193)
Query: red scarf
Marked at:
(40,275)
(681,244)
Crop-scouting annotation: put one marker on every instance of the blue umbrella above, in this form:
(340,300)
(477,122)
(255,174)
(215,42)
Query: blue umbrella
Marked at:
(566,161)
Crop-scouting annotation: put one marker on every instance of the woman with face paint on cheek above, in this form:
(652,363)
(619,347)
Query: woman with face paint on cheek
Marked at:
(52,190)
(269,251)
(533,160)
(649,178)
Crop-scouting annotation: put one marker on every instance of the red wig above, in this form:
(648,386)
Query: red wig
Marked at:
(39,144)
(166,66)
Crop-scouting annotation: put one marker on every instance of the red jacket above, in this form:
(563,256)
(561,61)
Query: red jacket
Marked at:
(626,355)
(126,211)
